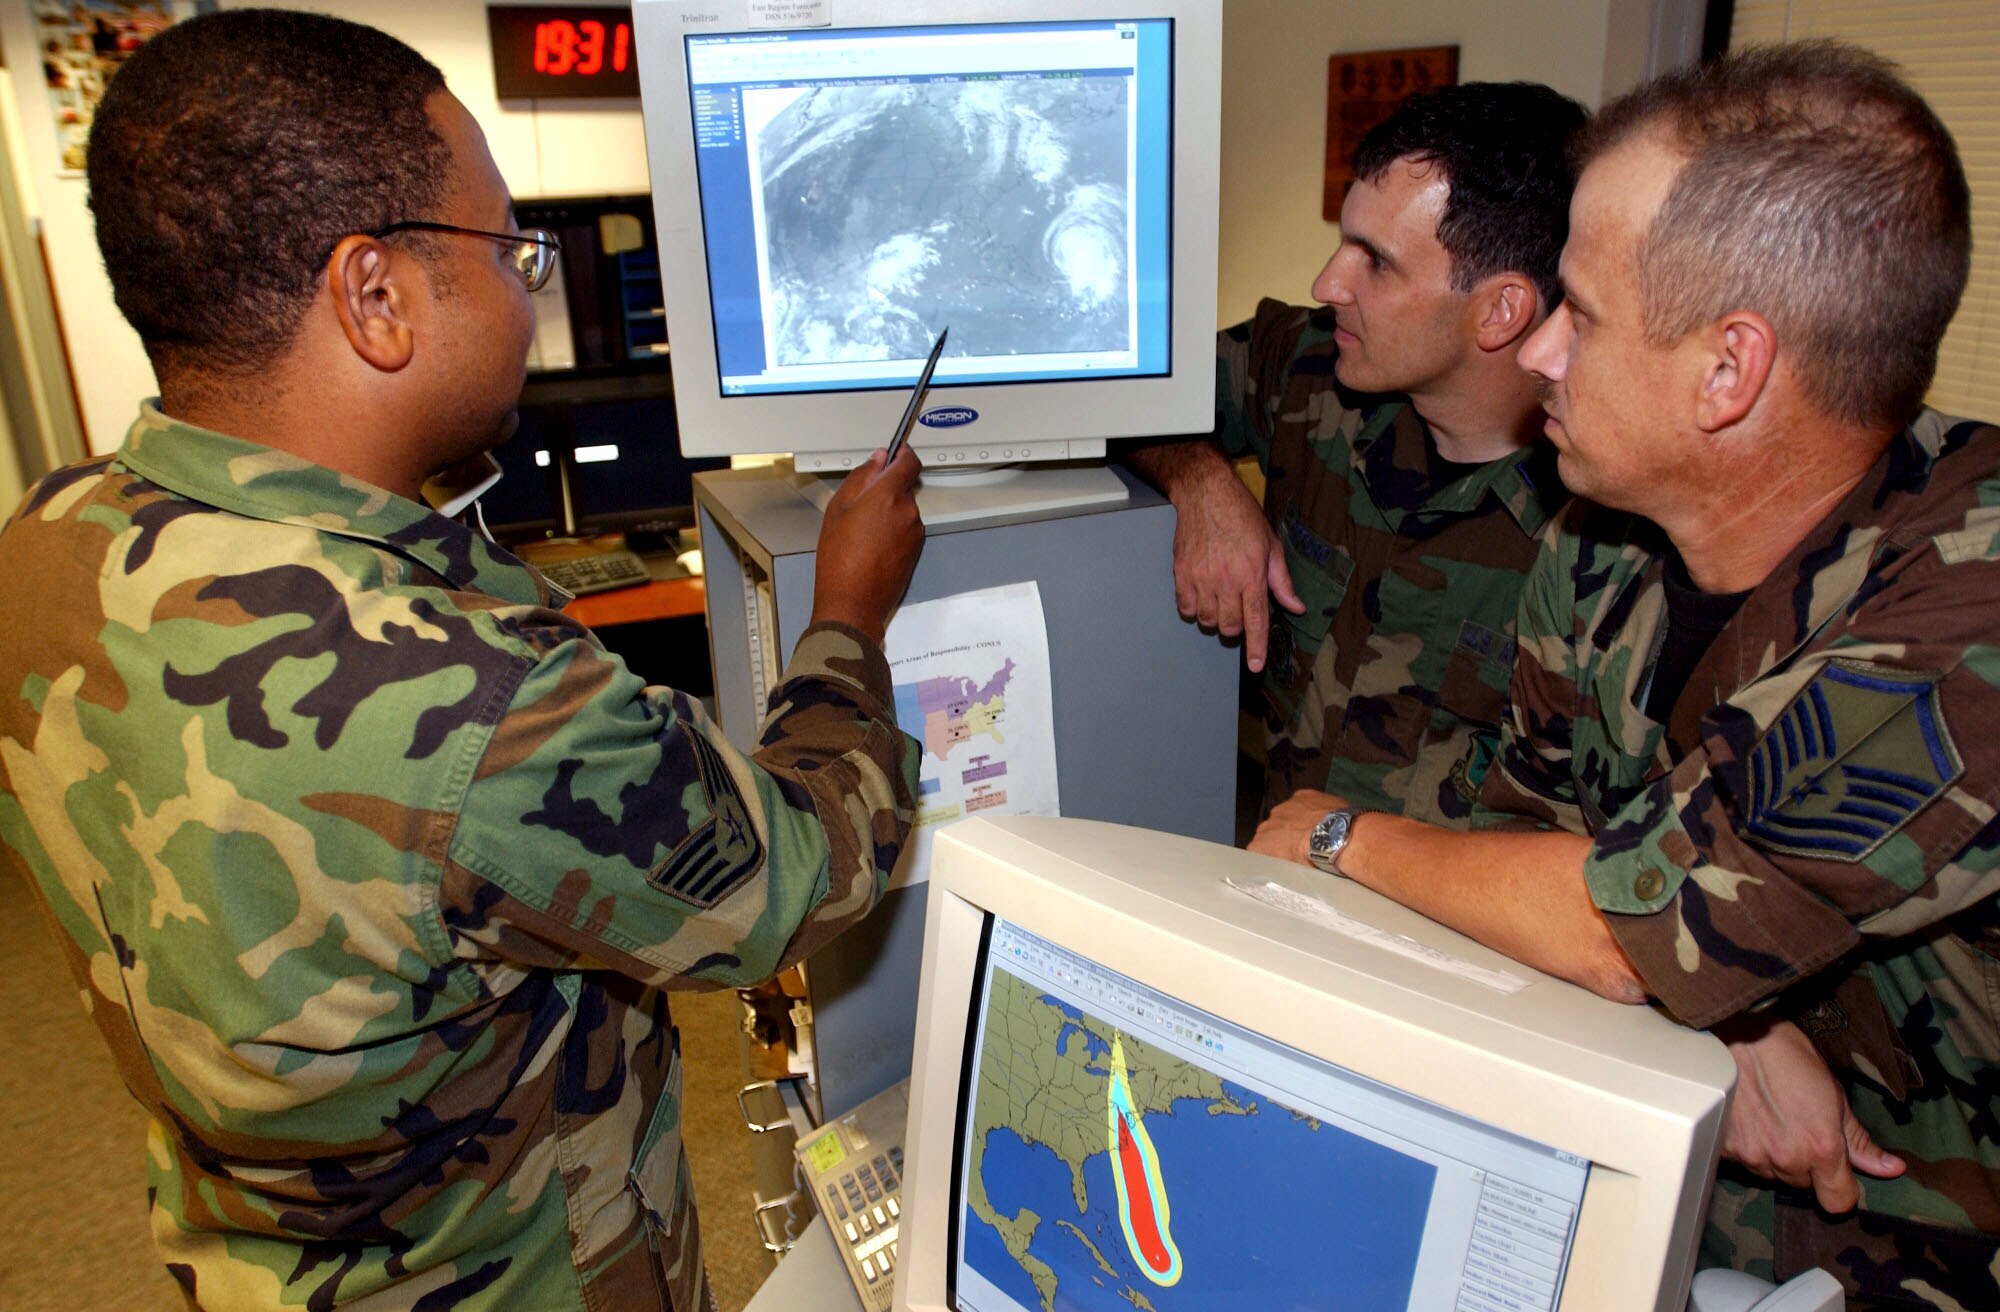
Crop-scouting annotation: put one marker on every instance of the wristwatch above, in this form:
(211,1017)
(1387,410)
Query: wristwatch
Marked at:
(1330,835)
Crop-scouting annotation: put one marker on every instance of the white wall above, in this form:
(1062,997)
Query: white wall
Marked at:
(1273,135)
(1274,104)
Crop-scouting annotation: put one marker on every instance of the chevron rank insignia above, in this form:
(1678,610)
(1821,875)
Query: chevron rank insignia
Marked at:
(1859,751)
(722,851)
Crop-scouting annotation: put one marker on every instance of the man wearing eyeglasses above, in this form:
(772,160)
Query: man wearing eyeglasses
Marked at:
(370,864)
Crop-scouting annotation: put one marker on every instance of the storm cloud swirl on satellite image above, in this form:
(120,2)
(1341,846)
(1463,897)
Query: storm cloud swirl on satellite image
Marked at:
(996,208)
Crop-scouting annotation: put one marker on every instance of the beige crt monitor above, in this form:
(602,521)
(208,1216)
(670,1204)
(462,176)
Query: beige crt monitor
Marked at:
(836,182)
(1137,1084)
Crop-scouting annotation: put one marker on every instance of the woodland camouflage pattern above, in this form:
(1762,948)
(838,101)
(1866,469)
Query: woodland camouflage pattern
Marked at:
(1388,690)
(1813,829)
(371,866)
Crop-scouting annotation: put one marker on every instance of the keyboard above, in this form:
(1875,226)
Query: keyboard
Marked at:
(599,572)
(853,1167)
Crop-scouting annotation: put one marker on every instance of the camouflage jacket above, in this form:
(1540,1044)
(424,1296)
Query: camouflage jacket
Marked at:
(1813,829)
(1388,690)
(371,867)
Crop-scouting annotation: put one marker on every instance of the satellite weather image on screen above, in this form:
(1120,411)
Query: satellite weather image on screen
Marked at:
(862,189)
(1103,1172)
(997,207)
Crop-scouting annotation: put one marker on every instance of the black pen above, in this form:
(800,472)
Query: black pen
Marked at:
(916,398)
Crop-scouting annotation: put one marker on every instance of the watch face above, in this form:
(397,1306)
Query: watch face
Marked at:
(1328,837)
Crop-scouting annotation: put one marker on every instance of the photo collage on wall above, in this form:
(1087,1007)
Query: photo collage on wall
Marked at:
(81,44)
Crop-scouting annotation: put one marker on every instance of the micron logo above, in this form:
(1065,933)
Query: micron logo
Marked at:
(948,416)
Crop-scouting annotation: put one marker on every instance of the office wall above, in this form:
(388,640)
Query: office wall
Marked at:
(1274,105)
(11,485)
(1274,94)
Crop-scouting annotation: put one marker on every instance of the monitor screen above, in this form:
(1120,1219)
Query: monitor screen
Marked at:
(1156,1072)
(1040,179)
(1183,1160)
(865,188)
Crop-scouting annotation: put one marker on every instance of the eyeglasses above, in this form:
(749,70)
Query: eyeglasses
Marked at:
(534,249)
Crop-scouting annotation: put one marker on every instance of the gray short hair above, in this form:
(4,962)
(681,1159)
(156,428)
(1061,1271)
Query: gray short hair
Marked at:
(1820,191)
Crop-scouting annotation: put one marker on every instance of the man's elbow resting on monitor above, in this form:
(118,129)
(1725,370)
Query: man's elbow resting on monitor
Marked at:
(1518,892)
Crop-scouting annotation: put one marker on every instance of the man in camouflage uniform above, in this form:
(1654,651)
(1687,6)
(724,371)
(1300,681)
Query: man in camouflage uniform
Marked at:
(1763,712)
(371,864)
(1405,478)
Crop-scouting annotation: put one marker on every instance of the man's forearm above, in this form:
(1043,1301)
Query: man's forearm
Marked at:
(1180,469)
(1518,892)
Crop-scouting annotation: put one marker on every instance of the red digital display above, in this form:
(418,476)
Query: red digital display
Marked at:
(542,51)
(563,47)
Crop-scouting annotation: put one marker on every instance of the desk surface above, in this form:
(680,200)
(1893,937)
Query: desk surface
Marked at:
(662,599)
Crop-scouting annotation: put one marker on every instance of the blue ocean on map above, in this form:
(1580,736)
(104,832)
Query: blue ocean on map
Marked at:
(1269,1214)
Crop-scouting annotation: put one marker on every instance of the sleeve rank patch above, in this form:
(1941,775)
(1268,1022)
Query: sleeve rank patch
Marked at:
(1856,755)
(721,852)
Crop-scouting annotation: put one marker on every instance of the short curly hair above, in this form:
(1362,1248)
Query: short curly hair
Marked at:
(231,154)
(1504,147)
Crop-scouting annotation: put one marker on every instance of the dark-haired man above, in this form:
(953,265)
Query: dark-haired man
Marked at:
(1400,444)
(370,863)
(1762,715)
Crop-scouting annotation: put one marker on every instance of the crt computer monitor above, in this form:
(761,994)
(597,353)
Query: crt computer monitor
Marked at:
(1137,1086)
(1040,177)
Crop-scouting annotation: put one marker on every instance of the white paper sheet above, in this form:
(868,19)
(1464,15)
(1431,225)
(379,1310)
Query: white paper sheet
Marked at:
(973,686)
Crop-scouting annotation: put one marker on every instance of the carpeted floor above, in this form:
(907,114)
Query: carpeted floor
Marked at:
(73,1228)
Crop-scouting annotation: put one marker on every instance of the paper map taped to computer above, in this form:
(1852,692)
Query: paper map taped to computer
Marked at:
(972,682)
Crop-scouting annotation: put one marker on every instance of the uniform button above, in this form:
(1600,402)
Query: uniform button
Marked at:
(1648,885)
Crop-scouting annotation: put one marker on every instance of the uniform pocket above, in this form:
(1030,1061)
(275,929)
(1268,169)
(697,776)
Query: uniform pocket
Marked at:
(1458,743)
(1320,574)
(1475,680)
(657,1177)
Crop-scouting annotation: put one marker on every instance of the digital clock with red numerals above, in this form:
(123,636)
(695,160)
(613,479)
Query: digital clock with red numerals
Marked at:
(544,51)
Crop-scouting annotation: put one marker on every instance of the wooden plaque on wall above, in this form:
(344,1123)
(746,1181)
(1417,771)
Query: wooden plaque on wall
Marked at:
(1362,90)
